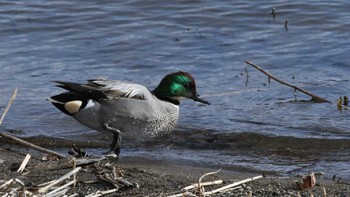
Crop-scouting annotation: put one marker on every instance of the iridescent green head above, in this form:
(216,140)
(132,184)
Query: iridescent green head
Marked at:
(176,86)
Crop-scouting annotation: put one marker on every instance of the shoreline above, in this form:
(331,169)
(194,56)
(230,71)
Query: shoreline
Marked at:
(160,177)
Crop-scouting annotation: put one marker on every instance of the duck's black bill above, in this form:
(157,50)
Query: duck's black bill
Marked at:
(196,98)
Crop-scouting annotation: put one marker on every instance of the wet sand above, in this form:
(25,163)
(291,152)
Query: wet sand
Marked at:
(157,177)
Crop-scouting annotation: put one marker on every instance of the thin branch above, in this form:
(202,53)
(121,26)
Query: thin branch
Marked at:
(200,181)
(234,184)
(25,143)
(8,106)
(315,98)
(216,182)
(223,191)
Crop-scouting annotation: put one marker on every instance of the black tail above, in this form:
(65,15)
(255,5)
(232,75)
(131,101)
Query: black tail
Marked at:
(60,100)
(85,90)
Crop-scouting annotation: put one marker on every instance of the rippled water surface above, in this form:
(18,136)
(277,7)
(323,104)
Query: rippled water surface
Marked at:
(251,123)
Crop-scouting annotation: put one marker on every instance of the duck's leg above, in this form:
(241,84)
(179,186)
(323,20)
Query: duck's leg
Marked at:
(117,139)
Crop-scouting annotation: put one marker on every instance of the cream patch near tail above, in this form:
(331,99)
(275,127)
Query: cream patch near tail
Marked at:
(73,106)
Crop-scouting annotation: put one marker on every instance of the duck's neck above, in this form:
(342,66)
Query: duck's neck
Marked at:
(164,98)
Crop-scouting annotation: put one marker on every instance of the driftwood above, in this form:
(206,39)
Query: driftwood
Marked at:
(315,98)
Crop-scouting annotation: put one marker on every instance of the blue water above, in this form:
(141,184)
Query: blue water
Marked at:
(141,41)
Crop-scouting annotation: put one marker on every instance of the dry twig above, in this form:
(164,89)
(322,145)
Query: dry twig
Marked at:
(216,182)
(112,177)
(200,180)
(185,191)
(234,184)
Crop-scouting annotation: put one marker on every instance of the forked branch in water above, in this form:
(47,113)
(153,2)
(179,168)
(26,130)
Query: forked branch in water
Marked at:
(315,98)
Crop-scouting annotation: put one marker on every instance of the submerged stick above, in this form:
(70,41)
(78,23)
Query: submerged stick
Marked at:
(315,98)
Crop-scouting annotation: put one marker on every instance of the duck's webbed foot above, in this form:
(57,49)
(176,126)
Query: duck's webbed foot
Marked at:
(117,139)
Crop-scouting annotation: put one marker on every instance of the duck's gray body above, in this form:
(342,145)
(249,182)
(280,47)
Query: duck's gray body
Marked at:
(127,108)
(148,116)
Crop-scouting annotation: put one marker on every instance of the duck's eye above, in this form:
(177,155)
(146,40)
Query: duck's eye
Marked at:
(188,85)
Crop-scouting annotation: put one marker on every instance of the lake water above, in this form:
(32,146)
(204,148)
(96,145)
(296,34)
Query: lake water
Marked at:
(253,126)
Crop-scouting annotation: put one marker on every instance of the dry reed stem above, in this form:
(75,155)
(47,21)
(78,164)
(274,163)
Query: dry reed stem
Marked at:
(75,175)
(24,163)
(324,192)
(234,184)
(216,182)
(8,106)
(230,187)
(101,193)
(198,185)
(6,183)
(55,182)
(60,189)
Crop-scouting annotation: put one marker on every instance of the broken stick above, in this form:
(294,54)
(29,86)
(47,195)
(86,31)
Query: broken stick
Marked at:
(315,98)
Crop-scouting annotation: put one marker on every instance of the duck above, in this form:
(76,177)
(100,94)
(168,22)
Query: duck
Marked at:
(121,107)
